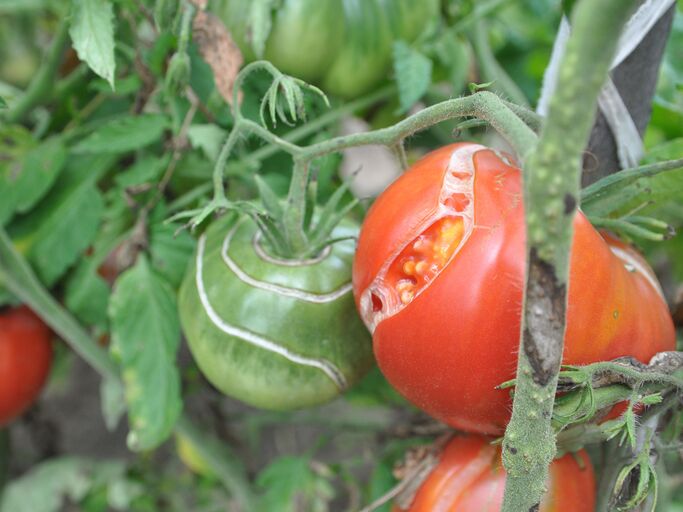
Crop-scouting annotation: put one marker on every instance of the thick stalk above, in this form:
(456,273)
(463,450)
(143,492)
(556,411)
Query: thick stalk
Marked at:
(551,195)
(483,105)
(18,277)
(42,83)
(4,458)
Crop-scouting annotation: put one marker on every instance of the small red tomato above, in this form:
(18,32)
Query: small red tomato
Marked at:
(439,276)
(25,358)
(470,478)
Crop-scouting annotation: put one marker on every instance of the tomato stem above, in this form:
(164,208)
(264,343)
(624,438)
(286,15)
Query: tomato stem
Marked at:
(551,193)
(483,105)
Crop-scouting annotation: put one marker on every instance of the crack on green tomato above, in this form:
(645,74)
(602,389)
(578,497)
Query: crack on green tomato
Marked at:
(254,339)
(287,291)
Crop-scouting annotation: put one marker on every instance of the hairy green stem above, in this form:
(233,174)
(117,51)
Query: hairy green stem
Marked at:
(19,278)
(600,188)
(186,26)
(483,105)
(4,458)
(314,126)
(551,196)
(490,69)
(400,152)
(41,85)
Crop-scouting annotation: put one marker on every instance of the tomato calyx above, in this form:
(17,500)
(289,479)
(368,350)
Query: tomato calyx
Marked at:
(440,236)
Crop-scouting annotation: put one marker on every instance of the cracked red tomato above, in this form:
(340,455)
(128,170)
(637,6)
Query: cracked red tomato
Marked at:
(438,279)
(25,358)
(470,478)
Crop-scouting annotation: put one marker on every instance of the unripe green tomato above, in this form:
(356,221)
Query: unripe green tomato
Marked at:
(305,37)
(365,57)
(408,18)
(343,45)
(275,334)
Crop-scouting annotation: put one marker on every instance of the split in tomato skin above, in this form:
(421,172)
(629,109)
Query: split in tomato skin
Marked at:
(449,346)
(25,360)
(470,478)
(275,334)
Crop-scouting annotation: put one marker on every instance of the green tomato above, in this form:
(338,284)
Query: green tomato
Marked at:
(305,37)
(275,334)
(409,18)
(343,45)
(365,56)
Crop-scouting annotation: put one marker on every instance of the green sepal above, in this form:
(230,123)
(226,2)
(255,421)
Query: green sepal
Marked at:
(270,200)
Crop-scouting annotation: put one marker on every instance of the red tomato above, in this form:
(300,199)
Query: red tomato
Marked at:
(439,275)
(25,358)
(470,478)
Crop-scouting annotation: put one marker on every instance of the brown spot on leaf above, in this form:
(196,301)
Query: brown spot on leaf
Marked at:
(220,52)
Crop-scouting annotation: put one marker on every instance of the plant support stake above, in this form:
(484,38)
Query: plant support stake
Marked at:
(551,193)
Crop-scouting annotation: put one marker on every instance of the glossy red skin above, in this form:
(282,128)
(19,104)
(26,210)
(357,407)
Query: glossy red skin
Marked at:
(449,348)
(25,359)
(470,478)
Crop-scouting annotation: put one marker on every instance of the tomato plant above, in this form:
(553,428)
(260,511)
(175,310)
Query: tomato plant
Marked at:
(344,45)
(25,358)
(275,333)
(469,477)
(438,279)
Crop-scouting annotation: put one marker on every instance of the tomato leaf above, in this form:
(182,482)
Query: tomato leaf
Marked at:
(45,487)
(145,339)
(15,143)
(208,138)
(413,72)
(112,401)
(87,294)
(291,485)
(170,252)
(645,188)
(147,169)
(55,233)
(26,179)
(123,135)
(41,167)
(92,33)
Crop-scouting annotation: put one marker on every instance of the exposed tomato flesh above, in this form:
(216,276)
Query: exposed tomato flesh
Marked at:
(423,258)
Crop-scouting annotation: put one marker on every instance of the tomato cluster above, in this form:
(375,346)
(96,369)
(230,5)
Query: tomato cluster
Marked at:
(439,276)
(470,478)
(25,358)
(343,45)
